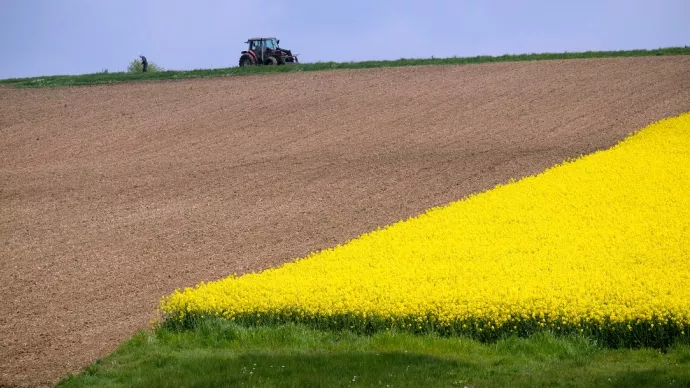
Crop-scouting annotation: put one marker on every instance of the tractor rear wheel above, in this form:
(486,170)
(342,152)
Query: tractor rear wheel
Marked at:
(246,60)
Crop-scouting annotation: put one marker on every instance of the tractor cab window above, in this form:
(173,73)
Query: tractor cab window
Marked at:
(269,44)
(255,46)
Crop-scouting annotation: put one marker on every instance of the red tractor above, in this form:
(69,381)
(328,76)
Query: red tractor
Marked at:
(265,51)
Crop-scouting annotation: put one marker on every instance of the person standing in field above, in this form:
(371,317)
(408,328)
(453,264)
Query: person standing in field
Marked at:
(144,63)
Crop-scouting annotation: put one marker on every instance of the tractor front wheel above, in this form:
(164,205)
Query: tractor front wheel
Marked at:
(271,61)
(246,60)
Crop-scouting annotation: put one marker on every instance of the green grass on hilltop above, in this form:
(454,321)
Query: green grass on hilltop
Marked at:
(219,353)
(108,78)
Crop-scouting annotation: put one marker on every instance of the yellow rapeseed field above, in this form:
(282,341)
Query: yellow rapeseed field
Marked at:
(599,245)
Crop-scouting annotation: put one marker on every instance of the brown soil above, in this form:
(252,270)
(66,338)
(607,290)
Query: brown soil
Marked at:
(113,196)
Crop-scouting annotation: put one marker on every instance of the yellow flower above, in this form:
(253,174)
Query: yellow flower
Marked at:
(599,239)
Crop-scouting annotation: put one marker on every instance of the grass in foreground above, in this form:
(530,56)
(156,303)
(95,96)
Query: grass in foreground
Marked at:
(108,78)
(220,353)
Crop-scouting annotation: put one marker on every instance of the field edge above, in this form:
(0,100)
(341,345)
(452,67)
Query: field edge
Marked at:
(123,77)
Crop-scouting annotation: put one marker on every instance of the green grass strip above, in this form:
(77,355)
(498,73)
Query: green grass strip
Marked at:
(117,77)
(221,354)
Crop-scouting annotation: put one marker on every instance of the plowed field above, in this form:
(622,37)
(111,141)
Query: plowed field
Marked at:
(113,196)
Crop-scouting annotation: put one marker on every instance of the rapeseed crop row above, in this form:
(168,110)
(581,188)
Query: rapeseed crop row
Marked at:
(599,245)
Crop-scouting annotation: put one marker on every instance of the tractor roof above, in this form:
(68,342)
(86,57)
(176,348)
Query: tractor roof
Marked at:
(261,38)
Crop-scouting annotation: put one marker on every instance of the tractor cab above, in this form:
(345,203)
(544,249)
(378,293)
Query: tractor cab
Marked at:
(265,51)
(262,44)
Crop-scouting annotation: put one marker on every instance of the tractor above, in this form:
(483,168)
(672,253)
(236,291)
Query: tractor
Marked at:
(265,51)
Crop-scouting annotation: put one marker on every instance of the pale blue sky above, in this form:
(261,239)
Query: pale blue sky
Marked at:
(45,37)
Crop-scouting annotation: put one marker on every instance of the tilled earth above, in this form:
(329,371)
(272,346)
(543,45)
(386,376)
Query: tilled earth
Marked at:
(113,196)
